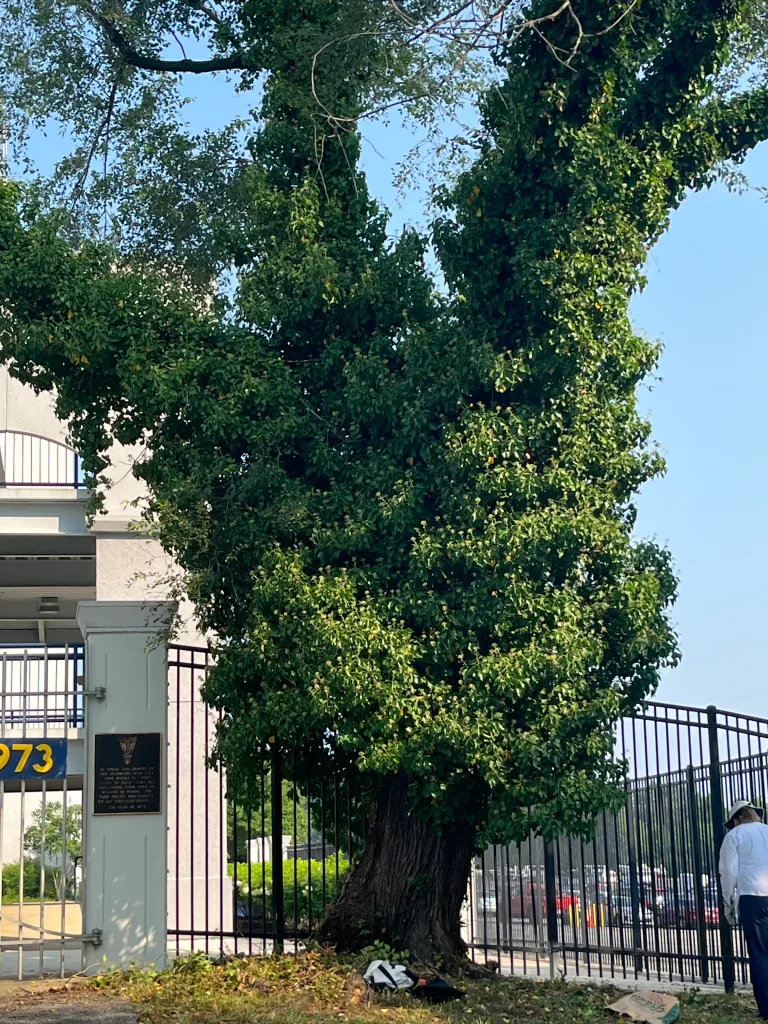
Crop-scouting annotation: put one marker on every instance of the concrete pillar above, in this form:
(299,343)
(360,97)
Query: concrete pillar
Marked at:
(125,851)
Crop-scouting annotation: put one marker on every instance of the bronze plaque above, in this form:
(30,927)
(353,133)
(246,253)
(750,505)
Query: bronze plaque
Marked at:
(127,773)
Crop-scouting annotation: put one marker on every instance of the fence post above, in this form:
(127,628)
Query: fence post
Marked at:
(718,826)
(698,872)
(278,890)
(634,890)
(550,900)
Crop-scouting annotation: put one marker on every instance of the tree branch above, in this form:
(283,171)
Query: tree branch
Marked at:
(207,10)
(735,127)
(722,130)
(115,37)
(695,52)
(81,181)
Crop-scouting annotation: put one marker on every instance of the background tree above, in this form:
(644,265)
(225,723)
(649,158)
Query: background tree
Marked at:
(411,514)
(56,842)
(253,819)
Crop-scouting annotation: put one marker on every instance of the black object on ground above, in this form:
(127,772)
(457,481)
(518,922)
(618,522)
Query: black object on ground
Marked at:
(436,991)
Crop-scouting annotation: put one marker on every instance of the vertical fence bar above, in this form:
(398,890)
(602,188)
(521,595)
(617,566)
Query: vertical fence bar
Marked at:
(608,895)
(177,823)
(192,805)
(698,873)
(550,898)
(559,871)
(24,713)
(472,895)
(296,858)
(718,814)
(310,891)
(336,820)
(3,679)
(536,915)
(206,715)
(509,938)
(249,859)
(485,908)
(634,891)
(223,854)
(497,903)
(278,890)
(43,822)
(323,844)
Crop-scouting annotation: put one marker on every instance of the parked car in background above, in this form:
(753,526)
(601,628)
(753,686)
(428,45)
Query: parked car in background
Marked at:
(621,912)
(680,910)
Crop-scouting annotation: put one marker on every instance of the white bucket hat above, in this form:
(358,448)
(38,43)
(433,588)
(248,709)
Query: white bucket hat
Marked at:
(740,805)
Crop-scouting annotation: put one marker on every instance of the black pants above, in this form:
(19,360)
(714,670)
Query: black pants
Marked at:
(753,911)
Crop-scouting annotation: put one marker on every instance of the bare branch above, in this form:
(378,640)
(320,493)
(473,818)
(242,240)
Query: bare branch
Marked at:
(80,185)
(180,44)
(131,56)
(474,26)
(207,10)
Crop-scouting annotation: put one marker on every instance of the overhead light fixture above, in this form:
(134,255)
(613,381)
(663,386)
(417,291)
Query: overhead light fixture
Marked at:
(48,606)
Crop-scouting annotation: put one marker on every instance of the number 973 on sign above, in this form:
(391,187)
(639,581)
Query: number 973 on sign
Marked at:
(33,759)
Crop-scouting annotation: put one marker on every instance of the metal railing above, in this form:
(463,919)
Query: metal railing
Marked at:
(41,697)
(640,899)
(30,460)
(229,892)
(41,685)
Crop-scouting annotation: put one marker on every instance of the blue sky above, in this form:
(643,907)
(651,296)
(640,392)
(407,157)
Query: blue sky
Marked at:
(706,301)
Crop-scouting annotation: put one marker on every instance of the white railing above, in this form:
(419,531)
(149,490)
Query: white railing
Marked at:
(29,460)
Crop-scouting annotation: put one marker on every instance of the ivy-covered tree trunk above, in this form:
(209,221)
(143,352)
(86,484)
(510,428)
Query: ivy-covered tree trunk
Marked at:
(408,888)
(409,518)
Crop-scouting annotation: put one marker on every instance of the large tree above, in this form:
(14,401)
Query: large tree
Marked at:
(407,515)
(56,838)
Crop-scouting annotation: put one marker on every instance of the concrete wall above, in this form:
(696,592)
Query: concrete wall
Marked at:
(132,566)
(22,409)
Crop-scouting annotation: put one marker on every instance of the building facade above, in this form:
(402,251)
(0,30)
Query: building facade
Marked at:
(52,558)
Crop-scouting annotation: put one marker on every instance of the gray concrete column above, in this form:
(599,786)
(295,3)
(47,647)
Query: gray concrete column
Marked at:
(125,851)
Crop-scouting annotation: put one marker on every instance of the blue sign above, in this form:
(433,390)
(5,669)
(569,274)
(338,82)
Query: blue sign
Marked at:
(33,759)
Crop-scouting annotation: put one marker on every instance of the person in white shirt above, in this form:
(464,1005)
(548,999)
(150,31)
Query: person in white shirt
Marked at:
(744,882)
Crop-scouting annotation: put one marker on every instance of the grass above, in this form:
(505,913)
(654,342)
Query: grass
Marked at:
(319,988)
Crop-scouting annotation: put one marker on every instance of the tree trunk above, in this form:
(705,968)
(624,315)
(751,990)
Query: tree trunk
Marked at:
(408,888)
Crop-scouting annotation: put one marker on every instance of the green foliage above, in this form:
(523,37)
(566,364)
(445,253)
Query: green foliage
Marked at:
(134,170)
(308,885)
(312,987)
(409,516)
(236,989)
(57,839)
(9,891)
(50,833)
(383,951)
(254,819)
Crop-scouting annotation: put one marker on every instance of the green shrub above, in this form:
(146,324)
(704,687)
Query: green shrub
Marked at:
(10,883)
(302,887)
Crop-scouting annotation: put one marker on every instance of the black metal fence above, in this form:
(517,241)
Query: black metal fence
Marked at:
(249,875)
(639,899)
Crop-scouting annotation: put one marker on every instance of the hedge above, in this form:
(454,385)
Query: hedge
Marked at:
(297,893)
(10,883)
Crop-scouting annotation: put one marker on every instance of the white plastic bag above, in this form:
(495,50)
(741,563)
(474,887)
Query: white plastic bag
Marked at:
(381,974)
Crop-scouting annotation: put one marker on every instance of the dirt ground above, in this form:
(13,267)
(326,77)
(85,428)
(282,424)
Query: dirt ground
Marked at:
(44,1003)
